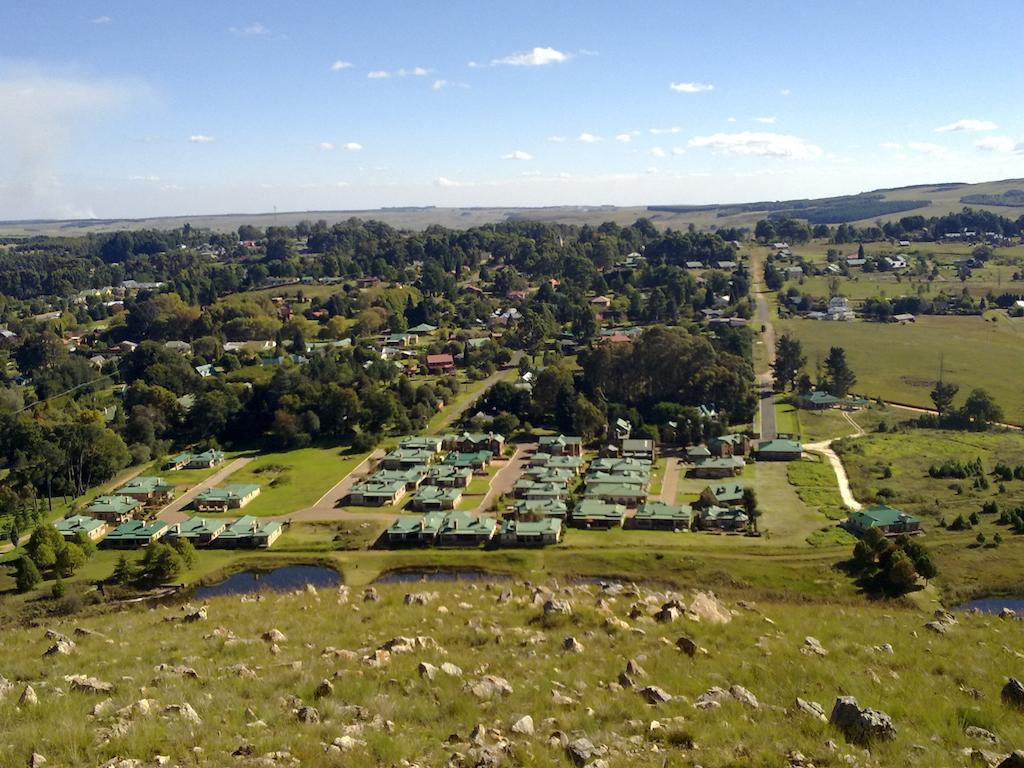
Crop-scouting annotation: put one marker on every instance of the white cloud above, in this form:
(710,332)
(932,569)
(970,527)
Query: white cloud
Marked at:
(1001,144)
(625,138)
(326,146)
(765,120)
(143,178)
(252,29)
(444,181)
(677,151)
(587,138)
(967,125)
(538,57)
(383,74)
(730,119)
(661,131)
(101,20)
(556,139)
(785,92)
(517,155)
(378,74)
(657,152)
(439,84)
(758,144)
(354,146)
(341,64)
(199,138)
(931,150)
(691,87)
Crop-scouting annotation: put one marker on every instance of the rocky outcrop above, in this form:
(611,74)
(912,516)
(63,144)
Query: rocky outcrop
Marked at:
(861,725)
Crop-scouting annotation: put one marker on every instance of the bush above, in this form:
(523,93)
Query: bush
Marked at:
(26,575)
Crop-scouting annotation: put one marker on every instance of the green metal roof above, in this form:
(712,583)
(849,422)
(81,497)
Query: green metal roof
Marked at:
(196,527)
(119,505)
(883,515)
(248,526)
(145,484)
(592,509)
(659,510)
(227,492)
(78,523)
(136,530)
(779,445)
(550,525)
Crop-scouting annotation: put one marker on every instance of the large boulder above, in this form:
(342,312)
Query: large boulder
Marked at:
(1013,694)
(707,608)
(861,725)
(1013,760)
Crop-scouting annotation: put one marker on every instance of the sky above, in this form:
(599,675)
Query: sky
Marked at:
(122,108)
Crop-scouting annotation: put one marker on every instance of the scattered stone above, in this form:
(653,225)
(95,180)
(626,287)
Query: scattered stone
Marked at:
(345,743)
(707,608)
(1013,694)
(614,622)
(687,646)
(88,684)
(652,694)
(196,615)
(743,696)
(861,726)
(812,647)
(63,647)
(572,645)
(176,671)
(561,607)
(185,711)
(506,595)
(241,670)
(523,726)
(451,669)
(1007,613)
(274,636)
(489,687)
(668,614)
(377,659)
(28,697)
(625,680)
(308,714)
(581,750)
(560,699)
(36,760)
(6,686)
(370,595)
(325,689)
(419,598)
(974,732)
(633,669)
(427,670)
(1013,760)
(812,708)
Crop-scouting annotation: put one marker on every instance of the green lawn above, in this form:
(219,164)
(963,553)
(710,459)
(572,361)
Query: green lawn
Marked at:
(787,418)
(901,362)
(816,485)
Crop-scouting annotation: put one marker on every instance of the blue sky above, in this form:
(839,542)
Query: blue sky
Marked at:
(127,108)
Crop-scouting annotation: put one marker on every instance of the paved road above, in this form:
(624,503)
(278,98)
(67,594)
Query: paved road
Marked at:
(765,379)
(454,412)
(326,507)
(174,512)
(670,481)
(507,476)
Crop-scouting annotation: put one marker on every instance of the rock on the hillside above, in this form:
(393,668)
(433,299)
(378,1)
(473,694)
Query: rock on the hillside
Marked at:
(560,607)
(451,669)
(88,684)
(572,645)
(707,608)
(581,751)
(63,647)
(668,613)
(36,760)
(506,595)
(1007,613)
(523,726)
(308,714)
(274,636)
(325,689)
(197,615)
(185,711)
(427,670)
(345,743)
(652,694)
(614,622)
(687,646)
(974,732)
(743,696)
(489,687)
(242,670)
(176,671)
(812,708)
(6,686)
(1013,760)
(1013,693)
(813,647)
(942,623)
(633,669)
(28,697)
(419,598)
(861,725)
(370,595)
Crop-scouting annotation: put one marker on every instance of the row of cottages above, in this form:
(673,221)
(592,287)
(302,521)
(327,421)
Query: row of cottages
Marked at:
(720,507)
(114,510)
(149,491)
(888,520)
(553,467)
(246,532)
(659,516)
(618,480)
(221,499)
(452,529)
(595,514)
(204,460)
(387,487)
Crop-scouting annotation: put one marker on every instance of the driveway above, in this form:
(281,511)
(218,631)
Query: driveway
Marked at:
(765,379)
(825,449)
(174,512)
(670,481)
(507,476)
(326,507)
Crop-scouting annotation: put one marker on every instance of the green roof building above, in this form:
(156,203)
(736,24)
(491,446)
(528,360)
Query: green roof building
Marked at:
(406,458)
(657,515)
(233,496)
(817,400)
(779,450)
(722,495)
(616,494)
(462,529)
(70,527)
(435,497)
(135,534)
(731,466)
(250,532)
(594,513)
(555,508)
(478,461)
(449,476)
(888,520)
(151,491)
(423,329)
(415,530)
(722,519)
(198,530)
(113,509)
(377,493)
(520,533)
(560,445)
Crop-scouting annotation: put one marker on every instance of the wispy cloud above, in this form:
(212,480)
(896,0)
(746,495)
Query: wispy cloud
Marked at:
(967,125)
(383,74)
(556,139)
(759,145)
(444,181)
(517,154)
(325,146)
(676,151)
(1001,144)
(340,65)
(439,84)
(625,138)
(785,92)
(691,87)
(252,29)
(378,74)
(201,138)
(143,178)
(662,131)
(101,20)
(354,146)
(537,57)
(657,152)
(766,120)
(587,138)
(937,151)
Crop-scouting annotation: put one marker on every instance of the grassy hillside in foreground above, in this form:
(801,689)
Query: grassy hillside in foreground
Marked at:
(934,200)
(246,696)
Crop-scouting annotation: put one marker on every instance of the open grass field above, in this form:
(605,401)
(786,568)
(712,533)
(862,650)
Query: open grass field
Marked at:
(787,417)
(815,483)
(901,362)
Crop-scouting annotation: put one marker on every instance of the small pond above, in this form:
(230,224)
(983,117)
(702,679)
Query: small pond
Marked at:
(995,605)
(285,579)
(407,576)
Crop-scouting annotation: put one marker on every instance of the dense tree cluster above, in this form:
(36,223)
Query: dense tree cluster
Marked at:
(891,565)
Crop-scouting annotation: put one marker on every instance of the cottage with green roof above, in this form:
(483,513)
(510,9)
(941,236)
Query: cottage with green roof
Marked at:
(135,534)
(527,489)
(420,531)
(540,508)
(250,532)
(736,444)
(478,461)
(572,463)
(198,530)
(233,496)
(597,514)
(470,442)
(412,477)
(696,454)
(423,443)
(628,495)
(638,448)
(434,497)
(560,445)
(462,529)
(722,495)
(548,475)
(716,468)
(779,450)
(888,520)
(376,493)
(722,519)
(449,476)
(151,491)
(818,400)
(70,527)
(657,515)
(423,329)
(407,458)
(113,509)
(521,533)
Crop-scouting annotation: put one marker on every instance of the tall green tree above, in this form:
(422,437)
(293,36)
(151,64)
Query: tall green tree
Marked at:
(942,396)
(789,360)
(751,508)
(26,574)
(839,377)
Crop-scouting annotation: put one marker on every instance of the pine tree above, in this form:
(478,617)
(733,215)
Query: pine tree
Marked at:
(123,573)
(26,575)
(839,377)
